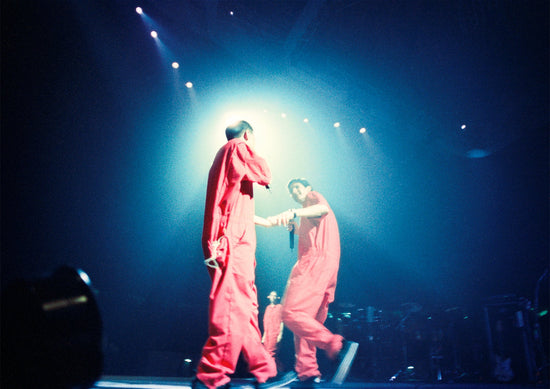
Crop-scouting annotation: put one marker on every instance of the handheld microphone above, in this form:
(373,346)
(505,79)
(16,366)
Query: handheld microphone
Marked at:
(291,236)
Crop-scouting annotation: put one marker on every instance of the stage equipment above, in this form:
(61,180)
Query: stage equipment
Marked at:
(510,339)
(51,332)
(540,327)
(411,330)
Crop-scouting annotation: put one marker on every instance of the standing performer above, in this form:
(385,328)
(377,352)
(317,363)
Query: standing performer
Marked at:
(312,283)
(229,244)
(273,326)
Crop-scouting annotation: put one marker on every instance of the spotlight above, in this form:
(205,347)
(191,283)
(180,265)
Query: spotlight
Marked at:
(139,10)
(337,124)
(463,127)
(283,115)
(175,65)
(306,120)
(362,130)
(154,34)
(51,332)
(189,84)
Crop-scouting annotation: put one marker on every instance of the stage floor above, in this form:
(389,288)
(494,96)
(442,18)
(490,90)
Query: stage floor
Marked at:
(123,382)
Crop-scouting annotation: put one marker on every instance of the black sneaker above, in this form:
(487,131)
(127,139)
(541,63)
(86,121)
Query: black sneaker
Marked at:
(278,381)
(345,360)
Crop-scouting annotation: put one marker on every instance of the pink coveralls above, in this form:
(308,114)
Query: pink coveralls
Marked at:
(272,327)
(310,289)
(229,236)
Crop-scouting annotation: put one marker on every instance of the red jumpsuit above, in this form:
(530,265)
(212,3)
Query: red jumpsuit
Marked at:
(272,327)
(310,289)
(229,237)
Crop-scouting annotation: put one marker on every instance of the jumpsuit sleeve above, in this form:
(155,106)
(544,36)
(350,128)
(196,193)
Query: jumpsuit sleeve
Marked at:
(253,167)
(314,198)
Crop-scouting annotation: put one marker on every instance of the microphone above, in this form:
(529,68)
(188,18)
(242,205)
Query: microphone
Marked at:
(291,236)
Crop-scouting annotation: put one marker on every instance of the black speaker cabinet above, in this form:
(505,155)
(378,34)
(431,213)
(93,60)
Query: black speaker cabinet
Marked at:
(510,339)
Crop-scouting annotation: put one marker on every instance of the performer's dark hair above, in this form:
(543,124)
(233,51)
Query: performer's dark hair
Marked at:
(302,181)
(237,129)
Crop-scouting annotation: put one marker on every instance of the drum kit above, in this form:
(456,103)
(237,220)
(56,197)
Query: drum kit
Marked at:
(403,344)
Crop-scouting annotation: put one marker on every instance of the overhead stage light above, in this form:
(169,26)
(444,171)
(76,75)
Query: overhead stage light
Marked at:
(189,84)
(362,130)
(139,10)
(337,124)
(154,34)
(175,65)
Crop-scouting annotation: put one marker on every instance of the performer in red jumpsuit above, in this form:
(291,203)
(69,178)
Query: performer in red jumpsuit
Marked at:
(273,326)
(229,244)
(312,283)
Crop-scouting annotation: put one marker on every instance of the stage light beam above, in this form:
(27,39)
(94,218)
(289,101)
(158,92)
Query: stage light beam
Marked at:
(154,34)
(139,10)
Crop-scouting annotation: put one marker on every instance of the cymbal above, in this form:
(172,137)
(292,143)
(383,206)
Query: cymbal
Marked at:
(412,307)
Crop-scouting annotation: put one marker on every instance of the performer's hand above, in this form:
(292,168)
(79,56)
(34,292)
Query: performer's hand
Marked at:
(284,218)
(292,225)
(272,220)
(265,222)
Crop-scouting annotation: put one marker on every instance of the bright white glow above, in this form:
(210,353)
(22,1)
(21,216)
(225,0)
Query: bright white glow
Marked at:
(306,120)
(283,115)
(84,277)
(189,84)
(187,360)
(463,127)
(175,65)
(363,130)
(337,124)
(154,34)
(139,10)
(268,134)
(231,13)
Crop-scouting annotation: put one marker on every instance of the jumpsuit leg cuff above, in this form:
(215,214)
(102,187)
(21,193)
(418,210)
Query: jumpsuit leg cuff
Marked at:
(335,346)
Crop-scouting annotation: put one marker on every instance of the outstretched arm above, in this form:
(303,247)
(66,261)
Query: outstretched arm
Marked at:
(261,221)
(316,210)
